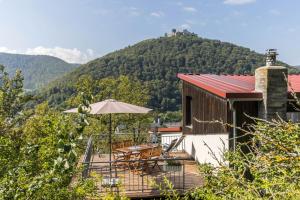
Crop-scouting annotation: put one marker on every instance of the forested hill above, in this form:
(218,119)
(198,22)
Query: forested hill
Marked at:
(38,70)
(157,61)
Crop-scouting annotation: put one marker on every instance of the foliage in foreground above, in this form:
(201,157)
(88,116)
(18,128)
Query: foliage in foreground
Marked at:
(38,148)
(270,170)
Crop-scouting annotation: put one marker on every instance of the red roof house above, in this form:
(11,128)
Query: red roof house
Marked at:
(211,102)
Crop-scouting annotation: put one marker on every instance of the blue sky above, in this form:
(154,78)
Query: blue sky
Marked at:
(80,30)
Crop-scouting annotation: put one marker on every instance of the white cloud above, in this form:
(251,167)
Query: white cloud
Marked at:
(7,50)
(190,9)
(157,14)
(238,2)
(70,55)
(274,12)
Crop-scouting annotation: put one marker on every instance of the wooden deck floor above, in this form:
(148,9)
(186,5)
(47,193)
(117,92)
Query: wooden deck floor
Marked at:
(144,184)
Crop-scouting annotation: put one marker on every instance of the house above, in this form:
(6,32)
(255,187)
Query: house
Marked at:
(209,102)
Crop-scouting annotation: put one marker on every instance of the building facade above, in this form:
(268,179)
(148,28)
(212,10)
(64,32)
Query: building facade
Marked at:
(216,107)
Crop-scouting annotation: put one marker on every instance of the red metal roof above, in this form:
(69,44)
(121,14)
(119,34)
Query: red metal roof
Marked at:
(232,86)
(170,129)
(294,83)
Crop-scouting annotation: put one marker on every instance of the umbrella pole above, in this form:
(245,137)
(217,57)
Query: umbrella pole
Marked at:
(110,146)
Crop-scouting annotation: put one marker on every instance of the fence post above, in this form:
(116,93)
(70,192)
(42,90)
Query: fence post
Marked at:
(87,158)
(142,177)
(183,175)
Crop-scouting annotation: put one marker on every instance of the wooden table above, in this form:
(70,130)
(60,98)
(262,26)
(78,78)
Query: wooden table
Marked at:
(136,148)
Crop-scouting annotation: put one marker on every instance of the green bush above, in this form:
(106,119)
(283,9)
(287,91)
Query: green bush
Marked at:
(270,170)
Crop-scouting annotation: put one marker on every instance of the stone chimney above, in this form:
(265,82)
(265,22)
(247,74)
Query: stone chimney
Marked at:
(271,81)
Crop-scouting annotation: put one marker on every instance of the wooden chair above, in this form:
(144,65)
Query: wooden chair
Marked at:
(169,148)
(156,152)
(140,165)
(174,144)
(125,160)
(127,143)
(120,158)
(178,142)
(116,154)
(155,155)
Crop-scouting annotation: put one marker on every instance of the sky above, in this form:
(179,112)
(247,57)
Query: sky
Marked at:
(81,30)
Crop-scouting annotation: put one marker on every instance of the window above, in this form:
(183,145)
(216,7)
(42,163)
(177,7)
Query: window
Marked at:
(188,111)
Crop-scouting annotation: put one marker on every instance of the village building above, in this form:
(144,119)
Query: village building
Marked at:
(215,107)
(178,32)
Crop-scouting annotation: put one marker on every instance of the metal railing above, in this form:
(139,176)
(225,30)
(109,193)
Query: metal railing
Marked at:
(101,141)
(148,176)
(87,157)
(167,139)
(134,175)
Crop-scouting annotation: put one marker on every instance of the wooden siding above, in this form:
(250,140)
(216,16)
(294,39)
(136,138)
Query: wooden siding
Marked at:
(207,108)
(243,110)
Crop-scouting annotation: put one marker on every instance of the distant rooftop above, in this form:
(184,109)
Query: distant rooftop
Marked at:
(232,86)
(170,129)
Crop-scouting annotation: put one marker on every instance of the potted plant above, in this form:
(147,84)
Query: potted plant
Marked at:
(172,166)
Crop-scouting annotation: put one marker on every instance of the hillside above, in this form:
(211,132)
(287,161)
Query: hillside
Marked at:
(157,61)
(38,70)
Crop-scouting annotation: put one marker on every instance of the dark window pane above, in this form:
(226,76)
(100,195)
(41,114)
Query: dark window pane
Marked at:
(188,119)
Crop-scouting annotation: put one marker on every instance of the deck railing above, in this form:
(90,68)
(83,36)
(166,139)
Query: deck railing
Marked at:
(133,179)
(167,139)
(146,179)
(87,159)
(163,140)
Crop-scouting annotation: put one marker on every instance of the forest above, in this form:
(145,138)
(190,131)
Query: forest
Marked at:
(155,62)
(38,70)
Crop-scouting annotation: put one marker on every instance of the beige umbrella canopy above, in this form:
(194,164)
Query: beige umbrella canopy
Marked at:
(111,106)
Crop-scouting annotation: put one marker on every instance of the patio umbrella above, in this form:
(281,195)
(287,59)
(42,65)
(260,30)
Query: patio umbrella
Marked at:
(111,106)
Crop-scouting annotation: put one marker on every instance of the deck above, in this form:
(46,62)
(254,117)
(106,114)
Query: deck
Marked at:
(183,176)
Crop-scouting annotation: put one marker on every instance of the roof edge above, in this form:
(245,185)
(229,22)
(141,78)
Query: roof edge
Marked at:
(219,92)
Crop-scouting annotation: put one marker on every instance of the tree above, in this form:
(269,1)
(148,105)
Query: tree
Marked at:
(271,169)
(38,148)
(123,89)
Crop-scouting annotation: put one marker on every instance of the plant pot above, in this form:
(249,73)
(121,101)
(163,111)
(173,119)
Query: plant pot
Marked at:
(172,167)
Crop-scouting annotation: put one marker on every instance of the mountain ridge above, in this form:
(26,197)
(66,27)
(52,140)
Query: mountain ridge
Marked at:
(38,70)
(157,61)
